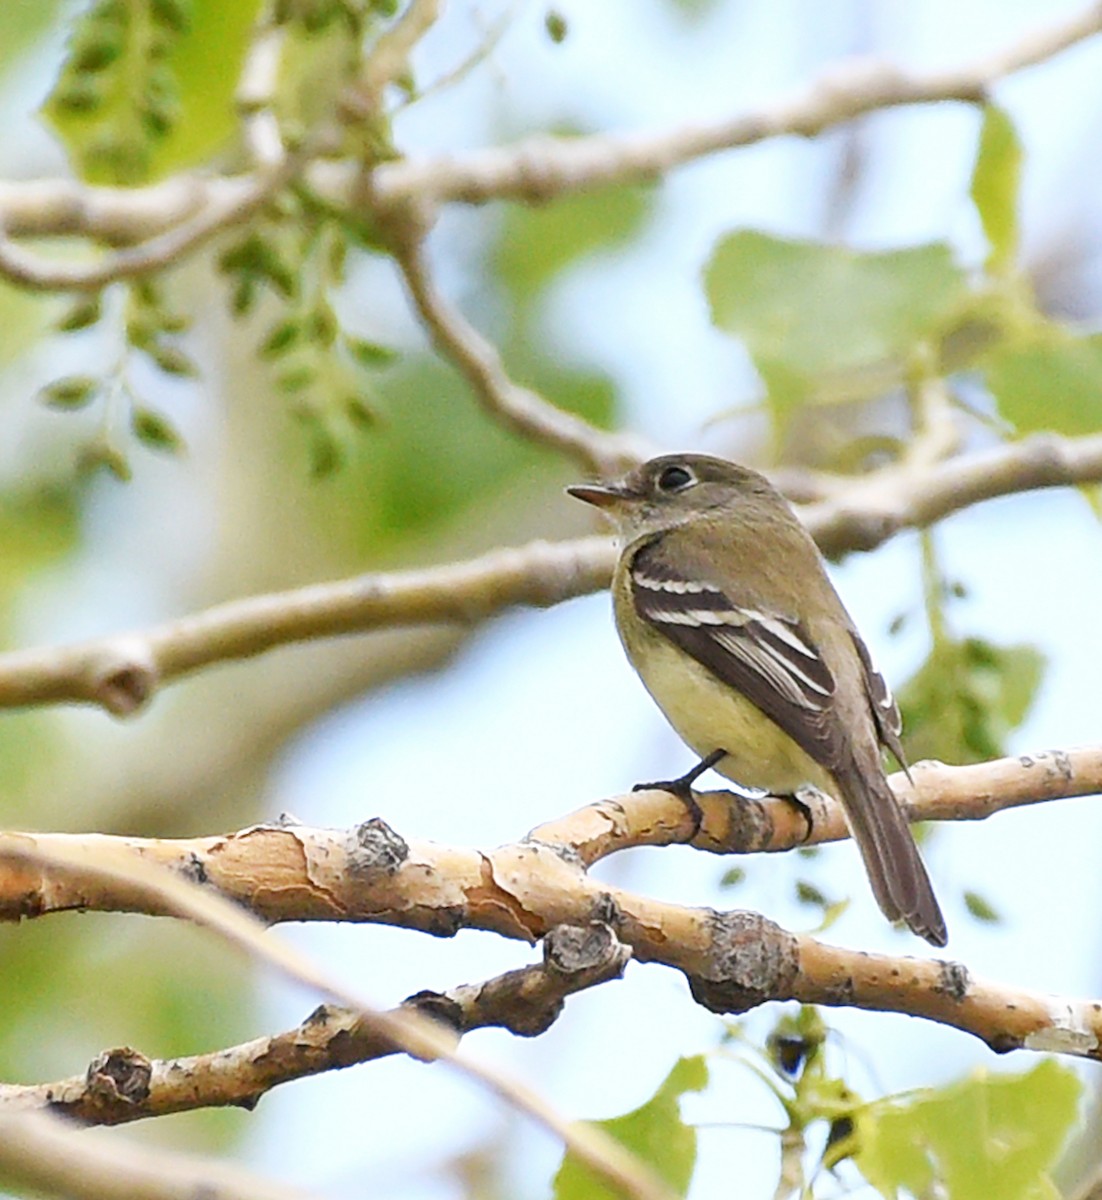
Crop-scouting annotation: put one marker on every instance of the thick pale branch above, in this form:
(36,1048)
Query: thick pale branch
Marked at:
(737,824)
(122,1085)
(733,961)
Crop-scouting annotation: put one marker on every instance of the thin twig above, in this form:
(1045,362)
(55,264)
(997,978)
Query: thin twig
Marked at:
(542,168)
(234,206)
(390,55)
(479,361)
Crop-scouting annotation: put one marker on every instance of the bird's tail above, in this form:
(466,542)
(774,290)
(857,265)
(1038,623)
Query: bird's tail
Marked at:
(896,871)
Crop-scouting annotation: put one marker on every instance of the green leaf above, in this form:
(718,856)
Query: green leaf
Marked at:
(981,908)
(360,413)
(1052,385)
(205,82)
(116,97)
(808,893)
(556,26)
(153,429)
(732,877)
(82,314)
(654,1132)
(71,392)
(281,338)
(171,359)
(537,243)
(986,1136)
(326,451)
(825,322)
(102,456)
(995,181)
(369,354)
(966,697)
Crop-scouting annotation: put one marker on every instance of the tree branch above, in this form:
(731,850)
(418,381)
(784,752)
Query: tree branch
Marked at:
(111,863)
(44,1154)
(236,201)
(861,513)
(736,824)
(543,168)
(123,1085)
(538,169)
(733,961)
(477,359)
(121,672)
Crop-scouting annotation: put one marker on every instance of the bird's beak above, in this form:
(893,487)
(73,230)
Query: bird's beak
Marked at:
(602,495)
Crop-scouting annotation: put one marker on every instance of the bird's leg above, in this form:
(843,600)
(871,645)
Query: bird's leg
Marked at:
(682,787)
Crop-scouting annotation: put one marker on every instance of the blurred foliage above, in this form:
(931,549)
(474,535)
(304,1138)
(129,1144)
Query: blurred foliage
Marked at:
(995,182)
(827,325)
(983,1136)
(1052,383)
(117,95)
(537,243)
(970,693)
(149,329)
(655,1132)
(981,908)
(206,82)
(793,1064)
(74,984)
(966,697)
(140,94)
(986,1136)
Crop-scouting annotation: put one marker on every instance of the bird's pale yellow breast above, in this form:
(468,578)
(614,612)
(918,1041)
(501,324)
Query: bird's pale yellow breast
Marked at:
(707,714)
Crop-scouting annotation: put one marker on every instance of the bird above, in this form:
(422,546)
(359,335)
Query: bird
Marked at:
(727,613)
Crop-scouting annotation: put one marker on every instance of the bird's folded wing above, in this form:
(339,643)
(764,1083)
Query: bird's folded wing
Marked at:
(766,656)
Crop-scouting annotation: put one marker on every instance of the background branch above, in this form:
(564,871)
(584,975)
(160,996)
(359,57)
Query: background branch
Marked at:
(478,360)
(123,1085)
(112,863)
(41,1152)
(122,672)
(535,170)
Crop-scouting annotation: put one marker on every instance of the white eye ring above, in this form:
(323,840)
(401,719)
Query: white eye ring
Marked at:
(675,478)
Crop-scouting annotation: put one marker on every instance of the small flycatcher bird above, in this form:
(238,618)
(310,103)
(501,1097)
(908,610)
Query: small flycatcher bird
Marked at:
(727,614)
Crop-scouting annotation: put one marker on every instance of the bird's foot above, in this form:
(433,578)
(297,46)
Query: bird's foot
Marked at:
(802,799)
(682,787)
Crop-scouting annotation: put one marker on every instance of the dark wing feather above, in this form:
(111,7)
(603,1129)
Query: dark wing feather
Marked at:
(766,656)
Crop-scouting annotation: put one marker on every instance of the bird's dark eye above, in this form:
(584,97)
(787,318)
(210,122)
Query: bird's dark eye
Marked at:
(675,479)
